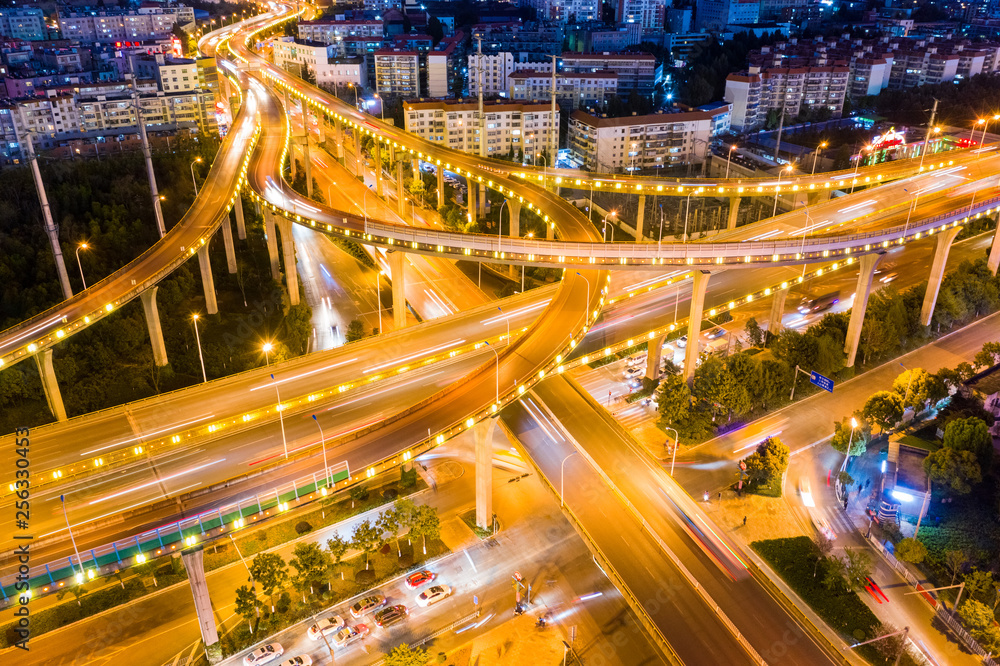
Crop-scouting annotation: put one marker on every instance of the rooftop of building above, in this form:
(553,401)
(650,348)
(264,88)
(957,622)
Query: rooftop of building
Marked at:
(606,56)
(648,119)
(453,105)
(536,73)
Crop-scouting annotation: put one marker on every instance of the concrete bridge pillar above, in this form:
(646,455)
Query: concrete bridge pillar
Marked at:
(734,212)
(653,354)
(483,201)
(357,154)
(378,167)
(288,254)
(338,141)
(241,224)
(866,271)
(813,198)
(397,273)
(698,289)
(777,311)
(640,218)
(440,186)
(472,191)
(149,308)
(321,127)
(227,240)
(483,433)
(994,259)
(207,281)
(415,165)
(550,231)
(272,244)
(514,206)
(50,385)
(944,241)
(400,190)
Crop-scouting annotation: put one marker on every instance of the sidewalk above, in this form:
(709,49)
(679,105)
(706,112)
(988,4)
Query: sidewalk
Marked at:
(518,641)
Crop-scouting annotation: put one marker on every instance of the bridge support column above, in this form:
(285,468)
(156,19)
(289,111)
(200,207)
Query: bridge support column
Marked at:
(866,271)
(50,385)
(484,200)
(653,354)
(471,205)
(149,308)
(777,311)
(813,198)
(307,164)
(207,281)
(288,254)
(734,212)
(378,167)
(514,206)
(440,185)
(338,141)
(357,154)
(944,241)
(320,126)
(415,165)
(241,224)
(640,218)
(994,259)
(400,190)
(397,274)
(698,290)
(483,433)
(227,240)
(272,244)
(550,231)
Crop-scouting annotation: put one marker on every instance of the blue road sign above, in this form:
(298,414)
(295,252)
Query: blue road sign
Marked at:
(819,380)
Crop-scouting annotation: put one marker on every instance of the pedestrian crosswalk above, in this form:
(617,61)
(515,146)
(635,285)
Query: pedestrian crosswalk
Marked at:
(831,520)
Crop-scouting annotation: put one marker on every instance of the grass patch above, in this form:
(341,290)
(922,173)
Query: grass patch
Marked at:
(919,443)
(469,518)
(794,560)
(772,489)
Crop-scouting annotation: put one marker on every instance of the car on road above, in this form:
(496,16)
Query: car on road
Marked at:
(349,635)
(805,492)
(820,304)
(633,372)
(886,279)
(432,595)
(265,654)
(391,615)
(682,341)
(325,626)
(367,605)
(416,579)
(823,527)
(716,332)
(635,359)
(301,660)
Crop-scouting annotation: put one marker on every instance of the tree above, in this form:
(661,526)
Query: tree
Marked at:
(884,409)
(674,400)
(247,604)
(859,567)
(755,334)
(773,382)
(911,550)
(768,462)
(388,522)
(270,571)
(918,387)
(338,546)
(825,547)
(889,647)
(954,560)
(971,434)
(834,573)
(956,470)
(311,564)
(426,524)
(842,436)
(404,655)
(366,538)
(978,617)
(355,330)
(979,584)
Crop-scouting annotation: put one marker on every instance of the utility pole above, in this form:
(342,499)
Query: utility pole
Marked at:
(149,159)
(555,123)
(781,126)
(51,230)
(479,78)
(927,138)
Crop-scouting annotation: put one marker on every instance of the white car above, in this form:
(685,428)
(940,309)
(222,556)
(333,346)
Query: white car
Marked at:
(301,660)
(433,595)
(325,626)
(805,492)
(348,635)
(265,654)
(823,527)
(633,372)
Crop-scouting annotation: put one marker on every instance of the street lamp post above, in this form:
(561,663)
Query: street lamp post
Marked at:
(729,158)
(816,155)
(586,309)
(673,457)
(562,479)
(326,466)
(508,323)
(498,370)
(500,226)
(81,246)
(378,297)
(850,442)
(193,180)
(777,187)
(687,213)
(267,347)
(79,576)
(913,205)
(605,230)
(281,416)
(201,357)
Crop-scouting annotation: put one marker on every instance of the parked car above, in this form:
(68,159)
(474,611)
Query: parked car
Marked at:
(349,635)
(433,595)
(415,580)
(367,605)
(301,660)
(391,615)
(265,654)
(325,626)
(682,341)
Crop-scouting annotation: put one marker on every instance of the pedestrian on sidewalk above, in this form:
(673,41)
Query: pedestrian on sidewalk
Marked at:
(744,521)
(720,496)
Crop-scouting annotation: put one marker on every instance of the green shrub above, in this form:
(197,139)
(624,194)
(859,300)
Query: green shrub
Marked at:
(365,577)
(302,527)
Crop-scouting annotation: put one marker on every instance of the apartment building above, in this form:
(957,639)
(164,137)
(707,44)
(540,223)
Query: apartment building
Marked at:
(329,31)
(23,23)
(717,14)
(754,93)
(572,90)
(650,14)
(916,68)
(512,128)
(397,72)
(114,25)
(636,71)
(297,55)
(496,69)
(337,72)
(441,66)
(641,142)
(171,74)
(565,11)
(519,38)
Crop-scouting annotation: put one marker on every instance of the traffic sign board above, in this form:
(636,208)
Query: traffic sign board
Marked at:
(819,380)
